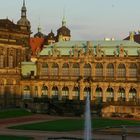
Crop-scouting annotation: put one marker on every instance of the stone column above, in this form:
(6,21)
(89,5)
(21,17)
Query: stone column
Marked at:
(115,71)
(32,91)
(127,88)
(49,91)
(93,88)
(127,71)
(116,93)
(60,69)
(93,71)
(81,91)
(39,90)
(104,94)
(81,69)
(104,70)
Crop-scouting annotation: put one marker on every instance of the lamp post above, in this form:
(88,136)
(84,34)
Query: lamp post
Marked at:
(124,132)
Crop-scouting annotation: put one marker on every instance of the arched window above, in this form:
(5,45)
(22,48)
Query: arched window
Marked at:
(133,70)
(121,70)
(44,91)
(87,70)
(110,94)
(65,69)
(132,94)
(76,69)
(1,61)
(87,91)
(26,92)
(55,69)
(99,70)
(121,94)
(55,94)
(44,68)
(99,94)
(11,61)
(110,70)
(65,93)
(75,93)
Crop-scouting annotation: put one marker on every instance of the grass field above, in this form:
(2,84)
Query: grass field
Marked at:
(74,124)
(3,137)
(10,113)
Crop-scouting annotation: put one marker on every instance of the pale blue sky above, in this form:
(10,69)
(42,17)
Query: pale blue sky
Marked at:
(87,19)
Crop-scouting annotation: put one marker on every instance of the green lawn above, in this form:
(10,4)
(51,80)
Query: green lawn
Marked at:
(3,137)
(74,124)
(10,113)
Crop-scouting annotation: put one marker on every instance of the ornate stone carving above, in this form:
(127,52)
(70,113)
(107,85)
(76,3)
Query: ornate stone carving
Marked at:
(126,53)
(76,51)
(99,51)
(56,52)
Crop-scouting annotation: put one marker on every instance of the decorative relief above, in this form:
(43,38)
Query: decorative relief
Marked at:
(55,52)
(99,51)
(76,51)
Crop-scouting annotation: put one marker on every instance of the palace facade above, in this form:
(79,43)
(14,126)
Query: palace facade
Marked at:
(107,70)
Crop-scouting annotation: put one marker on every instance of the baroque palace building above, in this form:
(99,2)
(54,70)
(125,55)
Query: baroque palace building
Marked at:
(107,70)
(61,69)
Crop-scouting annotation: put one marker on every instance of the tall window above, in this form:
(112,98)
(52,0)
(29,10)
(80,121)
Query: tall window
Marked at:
(55,69)
(132,94)
(99,70)
(65,69)
(55,92)
(110,70)
(44,68)
(87,70)
(65,93)
(1,61)
(87,91)
(44,90)
(26,92)
(75,93)
(110,94)
(133,70)
(121,70)
(121,94)
(99,92)
(11,61)
(76,69)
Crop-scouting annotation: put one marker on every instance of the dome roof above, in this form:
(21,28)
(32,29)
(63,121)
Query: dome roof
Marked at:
(63,31)
(24,22)
(51,35)
(39,33)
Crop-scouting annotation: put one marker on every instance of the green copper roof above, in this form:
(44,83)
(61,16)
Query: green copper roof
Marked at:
(27,67)
(107,46)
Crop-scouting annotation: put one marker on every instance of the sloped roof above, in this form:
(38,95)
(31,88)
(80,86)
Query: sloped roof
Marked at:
(107,46)
(136,38)
(8,24)
(36,44)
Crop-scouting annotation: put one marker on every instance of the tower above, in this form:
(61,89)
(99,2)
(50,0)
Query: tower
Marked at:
(24,22)
(63,33)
